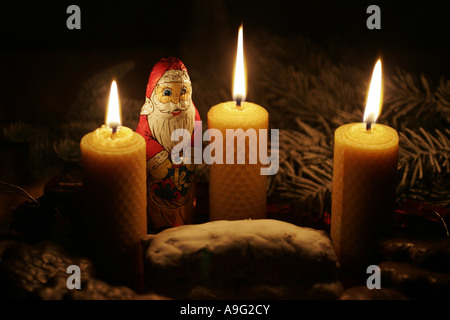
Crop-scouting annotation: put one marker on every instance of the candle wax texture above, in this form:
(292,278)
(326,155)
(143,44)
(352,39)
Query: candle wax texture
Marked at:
(114,182)
(363,195)
(237,191)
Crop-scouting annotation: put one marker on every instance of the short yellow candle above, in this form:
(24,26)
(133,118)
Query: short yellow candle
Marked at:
(114,182)
(237,191)
(364,181)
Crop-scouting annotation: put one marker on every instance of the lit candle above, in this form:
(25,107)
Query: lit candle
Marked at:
(114,182)
(364,181)
(237,191)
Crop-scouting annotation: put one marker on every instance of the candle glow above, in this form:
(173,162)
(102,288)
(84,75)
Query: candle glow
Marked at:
(374,98)
(113,118)
(364,183)
(239,87)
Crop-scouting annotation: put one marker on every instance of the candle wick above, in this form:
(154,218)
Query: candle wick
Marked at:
(368,125)
(114,128)
(238,102)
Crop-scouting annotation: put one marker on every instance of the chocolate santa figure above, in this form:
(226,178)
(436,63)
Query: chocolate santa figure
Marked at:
(168,106)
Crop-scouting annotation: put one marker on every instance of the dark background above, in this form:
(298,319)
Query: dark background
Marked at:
(44,64)
(42,24)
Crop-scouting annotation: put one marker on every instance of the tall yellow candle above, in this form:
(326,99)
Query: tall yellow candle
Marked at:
(114,182)
(364,181)
(237,191)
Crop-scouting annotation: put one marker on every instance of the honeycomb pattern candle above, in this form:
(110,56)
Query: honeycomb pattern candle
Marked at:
(364,181)
(114,182)
(237,191)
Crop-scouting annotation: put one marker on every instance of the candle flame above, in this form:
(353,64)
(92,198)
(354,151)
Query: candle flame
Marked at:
(239,87)
(374,101)
(113,118)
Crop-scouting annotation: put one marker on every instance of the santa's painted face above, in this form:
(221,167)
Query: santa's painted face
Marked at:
(172,93)
(170,107)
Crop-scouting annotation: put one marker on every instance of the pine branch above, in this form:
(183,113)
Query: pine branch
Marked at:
(443,99)
(423,157)
(20,132)
(305,173)
(409,101)
(435,192)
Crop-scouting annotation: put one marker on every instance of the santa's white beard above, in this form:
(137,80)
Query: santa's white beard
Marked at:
(162,127)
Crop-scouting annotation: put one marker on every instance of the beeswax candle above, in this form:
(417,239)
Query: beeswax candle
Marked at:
(238,191)
(364,181)
(114,182)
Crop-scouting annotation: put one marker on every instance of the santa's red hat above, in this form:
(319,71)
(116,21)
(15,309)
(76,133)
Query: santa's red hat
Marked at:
(169,63)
